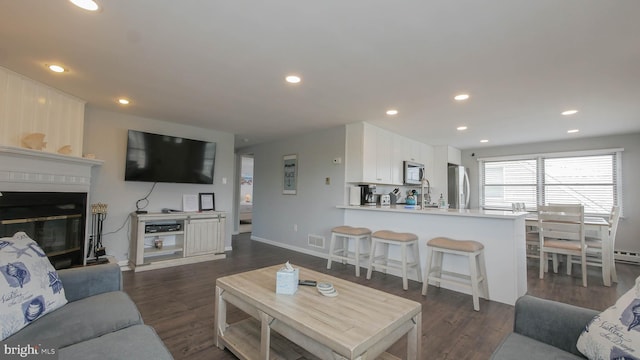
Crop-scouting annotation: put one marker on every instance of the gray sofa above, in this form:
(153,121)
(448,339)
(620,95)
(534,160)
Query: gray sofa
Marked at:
(99,321)
(544,329)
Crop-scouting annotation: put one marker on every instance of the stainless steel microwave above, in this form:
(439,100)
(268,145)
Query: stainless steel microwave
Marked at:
(413,172)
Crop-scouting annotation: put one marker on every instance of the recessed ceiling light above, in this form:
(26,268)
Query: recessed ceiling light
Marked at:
(89,5)
(569,112)
(572,131)
(123,101)
(484,141)
(56,68)
(392,112)
(293,79)
(461,97)
(461,128)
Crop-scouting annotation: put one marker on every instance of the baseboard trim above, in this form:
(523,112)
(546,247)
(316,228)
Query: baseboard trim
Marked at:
(290,247)
(124,265)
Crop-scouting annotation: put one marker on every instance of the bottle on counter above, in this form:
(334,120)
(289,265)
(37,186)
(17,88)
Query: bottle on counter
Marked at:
(441,203)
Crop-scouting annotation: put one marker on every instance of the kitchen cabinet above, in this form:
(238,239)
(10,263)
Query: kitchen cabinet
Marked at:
(412,150)
(397,156)
(383,156)
(375,155)
(369,154)
(161,240)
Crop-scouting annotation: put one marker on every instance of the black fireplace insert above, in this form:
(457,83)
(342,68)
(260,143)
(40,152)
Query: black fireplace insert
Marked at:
(55,220)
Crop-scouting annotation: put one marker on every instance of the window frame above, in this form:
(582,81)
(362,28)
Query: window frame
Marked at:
(540,174)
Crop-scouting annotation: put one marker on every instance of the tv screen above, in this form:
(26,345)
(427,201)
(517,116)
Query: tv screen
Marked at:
(163,158)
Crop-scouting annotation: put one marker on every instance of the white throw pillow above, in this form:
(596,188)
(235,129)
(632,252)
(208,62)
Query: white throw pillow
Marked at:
(29,285)
(614,333)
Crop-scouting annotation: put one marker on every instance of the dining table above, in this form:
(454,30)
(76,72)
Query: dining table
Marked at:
(601,227)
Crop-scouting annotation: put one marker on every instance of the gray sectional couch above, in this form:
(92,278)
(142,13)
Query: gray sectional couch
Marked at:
(544,329)
(99,321)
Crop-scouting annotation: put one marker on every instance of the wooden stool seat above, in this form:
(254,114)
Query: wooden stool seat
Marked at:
(459,245)
(395,236)
(346,233)
(473,250)
(386,238)
(351,231)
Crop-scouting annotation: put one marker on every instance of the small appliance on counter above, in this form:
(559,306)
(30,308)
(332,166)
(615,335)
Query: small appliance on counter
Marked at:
(368,195)
(371,199)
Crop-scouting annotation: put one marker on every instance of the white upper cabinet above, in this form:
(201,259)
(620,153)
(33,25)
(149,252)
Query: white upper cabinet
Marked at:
(369,154)
(454,156)
(412,150)
(398,156)
(375,155)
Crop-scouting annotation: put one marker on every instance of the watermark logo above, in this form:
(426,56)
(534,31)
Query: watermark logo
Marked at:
(28,351)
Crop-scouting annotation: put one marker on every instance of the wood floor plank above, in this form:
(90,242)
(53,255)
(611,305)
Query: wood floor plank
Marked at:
(178,302)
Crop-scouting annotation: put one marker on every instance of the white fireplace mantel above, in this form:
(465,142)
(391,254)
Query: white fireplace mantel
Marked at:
(33,170)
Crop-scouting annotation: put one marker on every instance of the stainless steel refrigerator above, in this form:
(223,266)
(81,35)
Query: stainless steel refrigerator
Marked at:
(458,187)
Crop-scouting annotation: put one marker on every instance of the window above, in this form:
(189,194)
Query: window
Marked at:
(590,179)
(506,182)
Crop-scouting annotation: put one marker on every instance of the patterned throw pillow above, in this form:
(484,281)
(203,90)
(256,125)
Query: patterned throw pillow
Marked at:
(614,333)
(29,285)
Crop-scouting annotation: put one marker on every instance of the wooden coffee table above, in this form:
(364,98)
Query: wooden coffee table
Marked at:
(359,323)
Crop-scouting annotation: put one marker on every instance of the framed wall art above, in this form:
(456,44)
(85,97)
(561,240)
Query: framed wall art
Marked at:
(290,174)
(206,202)
(189,202)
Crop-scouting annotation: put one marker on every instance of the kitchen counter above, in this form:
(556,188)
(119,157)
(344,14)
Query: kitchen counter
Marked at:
(400,208)
(501,232)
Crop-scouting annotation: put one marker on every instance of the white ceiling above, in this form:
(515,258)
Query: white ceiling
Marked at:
(221,64)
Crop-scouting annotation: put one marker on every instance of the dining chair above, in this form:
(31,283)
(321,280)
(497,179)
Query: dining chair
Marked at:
(561,232)
(594,246)
(531,238)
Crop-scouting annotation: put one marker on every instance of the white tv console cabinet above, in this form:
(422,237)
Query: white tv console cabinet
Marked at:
(186,238)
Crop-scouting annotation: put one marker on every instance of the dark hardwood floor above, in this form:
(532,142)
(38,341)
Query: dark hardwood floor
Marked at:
(178,302)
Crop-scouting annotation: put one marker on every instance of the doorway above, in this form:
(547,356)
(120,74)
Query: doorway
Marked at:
(245,207)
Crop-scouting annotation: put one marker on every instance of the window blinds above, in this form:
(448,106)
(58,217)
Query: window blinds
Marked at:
(591,180)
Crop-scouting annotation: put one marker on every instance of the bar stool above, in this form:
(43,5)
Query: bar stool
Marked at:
(473,250)
(386,238)
(346,233)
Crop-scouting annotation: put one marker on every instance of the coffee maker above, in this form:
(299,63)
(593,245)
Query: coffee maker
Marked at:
(367,194)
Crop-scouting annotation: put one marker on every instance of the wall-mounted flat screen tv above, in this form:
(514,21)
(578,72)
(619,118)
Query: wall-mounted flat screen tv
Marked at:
(163,158)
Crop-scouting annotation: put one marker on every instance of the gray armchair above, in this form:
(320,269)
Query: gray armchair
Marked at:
(544,329)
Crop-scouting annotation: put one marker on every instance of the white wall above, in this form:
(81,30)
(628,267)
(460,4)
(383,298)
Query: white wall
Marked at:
(628,235)
(105,135)
(313,209)
(27,106)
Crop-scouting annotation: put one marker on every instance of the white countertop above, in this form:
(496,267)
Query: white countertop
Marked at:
(435,211)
